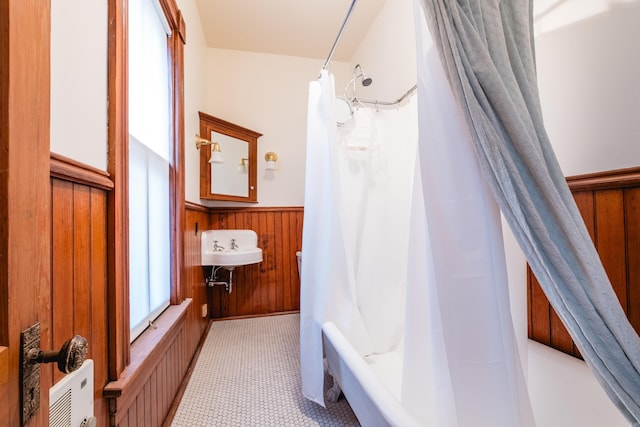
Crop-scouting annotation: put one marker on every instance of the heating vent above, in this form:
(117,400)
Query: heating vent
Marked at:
(71,399)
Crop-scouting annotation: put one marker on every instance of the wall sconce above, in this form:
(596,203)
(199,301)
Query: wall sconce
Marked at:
(271,159)
(216,153)
(242,166)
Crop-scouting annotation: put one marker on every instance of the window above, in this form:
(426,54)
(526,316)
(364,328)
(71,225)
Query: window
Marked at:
(149,164)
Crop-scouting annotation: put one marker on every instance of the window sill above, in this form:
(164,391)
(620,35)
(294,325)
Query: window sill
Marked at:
(145,351)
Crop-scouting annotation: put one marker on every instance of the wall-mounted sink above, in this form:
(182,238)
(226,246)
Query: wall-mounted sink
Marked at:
(230,248)
(232,258)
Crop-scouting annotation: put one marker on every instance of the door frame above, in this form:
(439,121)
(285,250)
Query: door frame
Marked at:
(25,200)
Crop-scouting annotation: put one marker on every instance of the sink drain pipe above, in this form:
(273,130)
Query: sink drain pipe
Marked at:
(212,279)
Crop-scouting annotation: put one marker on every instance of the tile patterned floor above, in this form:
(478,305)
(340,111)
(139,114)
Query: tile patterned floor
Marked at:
(248,374)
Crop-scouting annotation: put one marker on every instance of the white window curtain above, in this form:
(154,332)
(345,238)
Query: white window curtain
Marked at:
(149,164)
(486,48)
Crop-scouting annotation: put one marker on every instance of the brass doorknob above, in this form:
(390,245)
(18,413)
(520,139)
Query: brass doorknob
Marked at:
(69,358)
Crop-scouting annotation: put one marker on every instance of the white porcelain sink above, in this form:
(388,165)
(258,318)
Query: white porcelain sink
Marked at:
(230,248)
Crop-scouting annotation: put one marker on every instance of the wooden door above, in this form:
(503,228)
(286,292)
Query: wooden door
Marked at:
(25,221)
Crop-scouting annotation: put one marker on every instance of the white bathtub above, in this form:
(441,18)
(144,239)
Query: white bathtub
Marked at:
(372,387)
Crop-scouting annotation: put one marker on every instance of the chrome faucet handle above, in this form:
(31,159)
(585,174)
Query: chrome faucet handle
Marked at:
(234,245)
(217,247)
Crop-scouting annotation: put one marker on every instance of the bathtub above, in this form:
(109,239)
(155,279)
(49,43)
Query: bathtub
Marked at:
(371,385)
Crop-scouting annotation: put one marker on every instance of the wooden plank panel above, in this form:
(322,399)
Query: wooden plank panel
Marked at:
(82,262)
(62,264)
(251,298)
(165,384)
(140,408)
(231,298)
(263,291)
(283,266)
(153,385)
(175,378)
(243,300)
(133,413)
(273,218)
(299,226)
(174,357)
(632,221)
(148,404)
(540,313)
(99,334)
(585,202)
(171,368)
(288,261)
(610,239)
(560,338)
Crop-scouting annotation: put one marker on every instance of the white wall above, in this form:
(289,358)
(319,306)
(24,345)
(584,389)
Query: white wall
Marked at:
(588,75)
(79,81)
(195,95)
(388,53)
(268,94)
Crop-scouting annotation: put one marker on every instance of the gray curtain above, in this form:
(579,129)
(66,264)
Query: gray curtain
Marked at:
(487,50)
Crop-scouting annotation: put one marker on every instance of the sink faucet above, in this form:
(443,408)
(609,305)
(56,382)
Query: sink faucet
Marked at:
(234,245)
(217,247)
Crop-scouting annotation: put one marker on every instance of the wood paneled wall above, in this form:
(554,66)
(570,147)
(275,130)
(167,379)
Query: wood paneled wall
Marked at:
(197,218)
(610,206)
(147,387)
(79,275)
(271,286)
(145,391)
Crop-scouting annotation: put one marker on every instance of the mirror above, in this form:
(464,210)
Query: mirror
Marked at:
(232,175)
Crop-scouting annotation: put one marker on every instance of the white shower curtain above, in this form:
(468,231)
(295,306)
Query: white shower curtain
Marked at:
(376,152)
(462,366)
(410,263)
(327,290)
(355,238)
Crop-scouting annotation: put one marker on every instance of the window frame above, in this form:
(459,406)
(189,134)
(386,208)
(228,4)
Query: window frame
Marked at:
(118,165)
(141,136)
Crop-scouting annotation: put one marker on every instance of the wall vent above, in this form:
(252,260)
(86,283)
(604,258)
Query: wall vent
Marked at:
(71,399)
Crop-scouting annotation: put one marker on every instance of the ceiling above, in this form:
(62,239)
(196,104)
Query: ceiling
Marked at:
(305,28)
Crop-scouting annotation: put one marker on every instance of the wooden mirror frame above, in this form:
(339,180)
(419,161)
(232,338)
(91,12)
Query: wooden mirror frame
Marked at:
(210,123)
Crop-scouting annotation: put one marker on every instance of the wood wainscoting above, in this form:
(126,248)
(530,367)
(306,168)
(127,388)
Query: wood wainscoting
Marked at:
(79,303)
(78,265)
(272,286)
(610,206)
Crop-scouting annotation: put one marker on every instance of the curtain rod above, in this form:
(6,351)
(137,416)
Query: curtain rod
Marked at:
(354,100)
(335,44)
(386,103)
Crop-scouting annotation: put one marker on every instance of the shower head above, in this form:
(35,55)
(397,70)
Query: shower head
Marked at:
(365,80)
